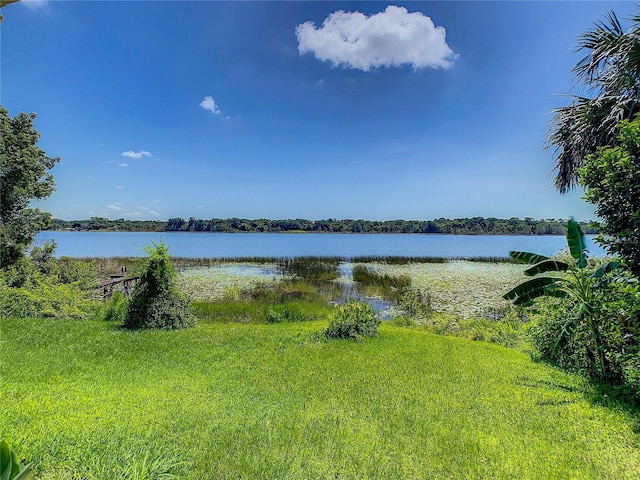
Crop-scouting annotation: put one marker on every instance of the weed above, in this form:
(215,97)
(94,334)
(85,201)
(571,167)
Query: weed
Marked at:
(353,320)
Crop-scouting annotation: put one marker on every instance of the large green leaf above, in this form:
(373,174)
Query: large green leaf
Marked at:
(576,243)
(26,474)
(10,468)
(527,291)
(546,266)
(5,461)
(527,257)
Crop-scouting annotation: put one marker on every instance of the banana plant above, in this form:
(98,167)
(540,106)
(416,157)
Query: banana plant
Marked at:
(572,280)
(526,292)
(10,467)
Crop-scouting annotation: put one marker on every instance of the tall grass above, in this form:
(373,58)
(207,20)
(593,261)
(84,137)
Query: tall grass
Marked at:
(113,264)
(389,287)
(397,260)
(314,270)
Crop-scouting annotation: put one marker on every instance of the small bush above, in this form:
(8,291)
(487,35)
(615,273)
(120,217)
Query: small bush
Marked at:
(289,313)
(83,273)
(156,302)
(550,337)
(417,303)
(403,321)
(115,308)
(353,320)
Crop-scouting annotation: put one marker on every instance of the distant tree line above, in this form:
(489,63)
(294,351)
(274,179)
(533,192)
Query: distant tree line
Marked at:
(460,226)
(106,224)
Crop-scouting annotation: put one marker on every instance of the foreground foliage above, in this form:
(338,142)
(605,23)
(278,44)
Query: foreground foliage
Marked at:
(223,400)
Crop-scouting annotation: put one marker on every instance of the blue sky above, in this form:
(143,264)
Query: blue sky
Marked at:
(259,110)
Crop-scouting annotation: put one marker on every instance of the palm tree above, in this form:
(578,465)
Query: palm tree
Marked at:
(609,75)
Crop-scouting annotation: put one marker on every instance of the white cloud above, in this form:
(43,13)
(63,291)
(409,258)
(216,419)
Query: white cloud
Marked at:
(115,206)
(120,187)
(123,164)
(208,103)
(391,38)
(154,213)
(99,214)
(136,155)
(35,4)
(132,214)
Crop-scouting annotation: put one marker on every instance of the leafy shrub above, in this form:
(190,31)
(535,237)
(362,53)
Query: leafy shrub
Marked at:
(114,310)
(353,320)
(45,299)
(417,303)
(71,270)
(289,313)
(510,330)
(611,177)
(156,302)
(444,324)
(274,316)
(231,293)
(403,321)
(618,313)
(549,336)
(33,287)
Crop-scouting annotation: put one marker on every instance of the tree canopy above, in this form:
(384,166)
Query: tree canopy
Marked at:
(23,178)
(613,179)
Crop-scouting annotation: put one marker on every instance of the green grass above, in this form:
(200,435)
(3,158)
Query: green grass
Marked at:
(261,312)
(85,399)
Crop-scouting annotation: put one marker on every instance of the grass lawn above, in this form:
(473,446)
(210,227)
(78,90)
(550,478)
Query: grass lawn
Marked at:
(85,399)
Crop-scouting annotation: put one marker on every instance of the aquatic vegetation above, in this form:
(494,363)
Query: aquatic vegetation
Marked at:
(462,288)
(225,280)
(315,270)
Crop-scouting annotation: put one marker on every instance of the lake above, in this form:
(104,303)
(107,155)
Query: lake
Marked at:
(218,245)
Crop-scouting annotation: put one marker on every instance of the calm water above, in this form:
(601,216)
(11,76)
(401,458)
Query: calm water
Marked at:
(216,245)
